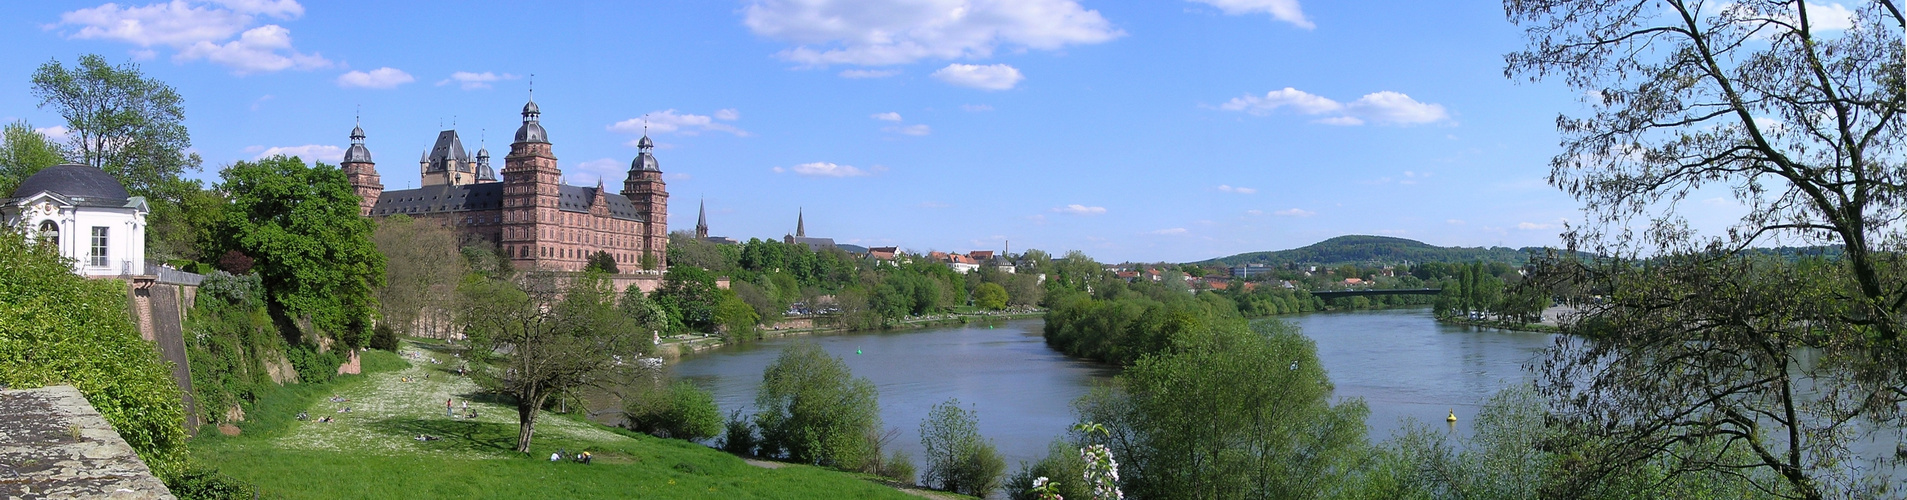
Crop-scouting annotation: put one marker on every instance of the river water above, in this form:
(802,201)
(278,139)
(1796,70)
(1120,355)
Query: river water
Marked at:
(1401,361)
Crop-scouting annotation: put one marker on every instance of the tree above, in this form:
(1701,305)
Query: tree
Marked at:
(1228,412)
(314,251)
(958,458)
(120,121)
(1802,123)
(648,317)
(532,337)
(184,230)
(734,315)
(23,152)
(689,295)
(422,269)
(813,410)
(602,262)
(990,296)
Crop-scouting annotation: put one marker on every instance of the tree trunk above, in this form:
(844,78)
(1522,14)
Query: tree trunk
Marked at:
(526,421)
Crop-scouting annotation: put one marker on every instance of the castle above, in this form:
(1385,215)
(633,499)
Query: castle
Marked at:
(530,215)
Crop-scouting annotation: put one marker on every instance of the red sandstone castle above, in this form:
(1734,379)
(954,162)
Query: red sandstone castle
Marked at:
(530,215)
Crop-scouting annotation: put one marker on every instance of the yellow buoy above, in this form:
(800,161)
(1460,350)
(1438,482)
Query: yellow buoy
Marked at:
(1453,416)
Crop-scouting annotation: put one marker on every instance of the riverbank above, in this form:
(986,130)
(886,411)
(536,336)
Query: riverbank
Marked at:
(1551,322)
(682,345)
(372,451)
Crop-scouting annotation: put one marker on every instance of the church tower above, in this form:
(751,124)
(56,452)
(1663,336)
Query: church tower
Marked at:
(645,190)
(702,221)
(530,196)
(361,172)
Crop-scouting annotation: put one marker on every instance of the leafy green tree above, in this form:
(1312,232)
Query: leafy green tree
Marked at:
(57,328)
(682,411)
(1797,117)
(314,251)
(958,458)
(813,410)
(1228,412)
(120,121)
(648,317)
(763,304)
(601,262)
(185,230)
(735,316)
(690,296)
(534,337)
(23,152)
(990,296)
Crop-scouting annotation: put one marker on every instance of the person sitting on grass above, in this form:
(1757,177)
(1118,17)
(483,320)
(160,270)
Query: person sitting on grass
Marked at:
(556,456)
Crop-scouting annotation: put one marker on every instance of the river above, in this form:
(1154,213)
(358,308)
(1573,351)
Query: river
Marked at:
(1401,361)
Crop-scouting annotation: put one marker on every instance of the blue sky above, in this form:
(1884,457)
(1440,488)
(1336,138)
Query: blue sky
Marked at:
(1152,131)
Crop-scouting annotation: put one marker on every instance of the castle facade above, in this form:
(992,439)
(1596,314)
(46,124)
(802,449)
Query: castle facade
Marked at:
(529,214)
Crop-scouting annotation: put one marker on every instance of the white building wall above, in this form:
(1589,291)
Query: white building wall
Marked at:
(125,236)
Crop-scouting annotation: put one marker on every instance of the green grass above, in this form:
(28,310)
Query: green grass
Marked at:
(370,452)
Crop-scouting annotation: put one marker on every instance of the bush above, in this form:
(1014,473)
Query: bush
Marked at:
(59,328)
(958,458)
(738,436)
(814,411)
(205,483)
(899,467)
(990,296)
(1062,465)
(313,367)
(384,338)
(230,337)
(683,411)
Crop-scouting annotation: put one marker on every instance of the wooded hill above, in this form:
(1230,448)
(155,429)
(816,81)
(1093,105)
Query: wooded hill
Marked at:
(1368,250)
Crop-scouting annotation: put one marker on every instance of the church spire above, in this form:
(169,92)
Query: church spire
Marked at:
(801,229)
(702,220)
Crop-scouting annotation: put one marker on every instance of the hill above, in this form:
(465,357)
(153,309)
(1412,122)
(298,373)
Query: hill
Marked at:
(1367,250)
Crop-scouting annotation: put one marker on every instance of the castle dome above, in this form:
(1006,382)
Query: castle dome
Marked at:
(531,131)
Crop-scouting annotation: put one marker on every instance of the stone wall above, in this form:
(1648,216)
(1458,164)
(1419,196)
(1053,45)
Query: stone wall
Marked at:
(53,444)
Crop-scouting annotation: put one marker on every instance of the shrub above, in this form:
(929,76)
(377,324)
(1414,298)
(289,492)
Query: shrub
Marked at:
(958,458)
(899,467)
(59,328)
(738,436)
(384,338)
(683,411)
(1062,465)
(313,366)
(813,410)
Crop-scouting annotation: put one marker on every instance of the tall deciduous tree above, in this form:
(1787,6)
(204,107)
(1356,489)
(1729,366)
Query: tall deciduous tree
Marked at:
(301,225)
(1794,109)
(120,121)
(813,410)
(422,267)
(539,338)
(24,151)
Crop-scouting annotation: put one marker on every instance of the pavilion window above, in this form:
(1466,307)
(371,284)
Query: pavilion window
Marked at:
(98,254)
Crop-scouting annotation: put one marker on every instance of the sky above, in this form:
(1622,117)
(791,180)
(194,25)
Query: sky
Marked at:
(1160,130)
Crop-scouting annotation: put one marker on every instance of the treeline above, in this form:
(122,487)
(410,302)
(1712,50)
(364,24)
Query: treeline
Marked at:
(1489,292)
(1362,249)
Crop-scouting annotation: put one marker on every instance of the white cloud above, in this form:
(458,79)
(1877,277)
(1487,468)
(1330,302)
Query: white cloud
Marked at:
(1078,209)
(255,51)
(1237,189)
(827,169)
(916,129)
(975,108)
(1532,226)
(381,78)
(200,30)
(56,132)
(988,77)
(1454,222)
(669,120)
(472,81)
(1175,230)
(888,116)
(1282,10)
(1254,212)
(869,73)
(259,102)
(1301,101)
(1394,108)
(308,152)
(1386,107)
(1294,212)
(609,169)
(887,32)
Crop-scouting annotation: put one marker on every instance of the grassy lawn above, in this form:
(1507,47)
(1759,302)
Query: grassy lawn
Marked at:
(370,452)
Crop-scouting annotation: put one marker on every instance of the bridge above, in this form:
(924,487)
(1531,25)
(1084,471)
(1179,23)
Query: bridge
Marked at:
(1332,294)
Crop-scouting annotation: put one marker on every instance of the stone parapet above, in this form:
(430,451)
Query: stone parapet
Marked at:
(54,445)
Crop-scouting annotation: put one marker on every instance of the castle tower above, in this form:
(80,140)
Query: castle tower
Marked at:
(530,196)
(361,172)
(645,189)
(702,220)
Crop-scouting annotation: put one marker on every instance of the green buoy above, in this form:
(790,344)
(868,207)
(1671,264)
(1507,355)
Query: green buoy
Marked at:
(857,351)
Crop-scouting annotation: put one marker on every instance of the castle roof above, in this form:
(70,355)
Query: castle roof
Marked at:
(489,196)
(84,184)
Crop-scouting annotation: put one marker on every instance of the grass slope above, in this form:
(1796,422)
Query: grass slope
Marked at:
(370,452)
